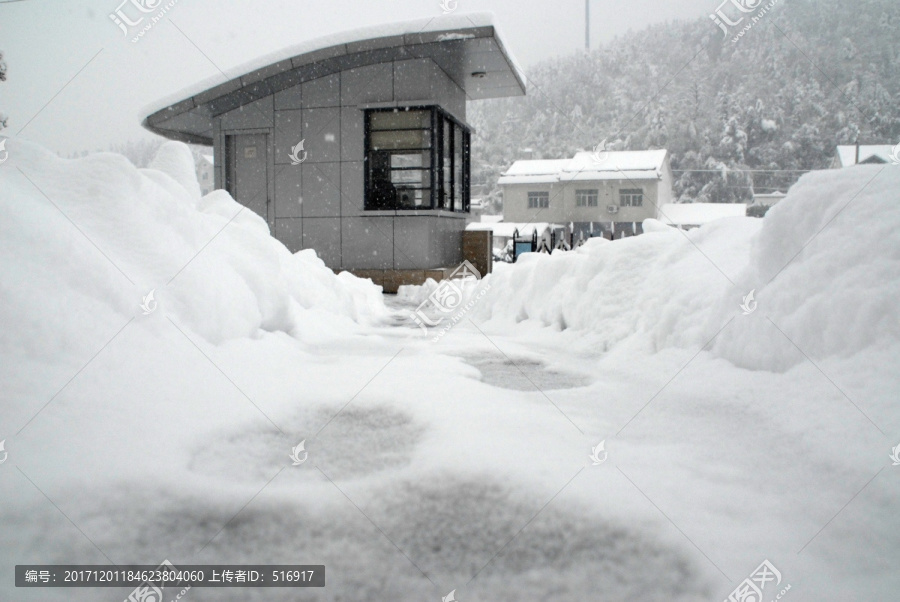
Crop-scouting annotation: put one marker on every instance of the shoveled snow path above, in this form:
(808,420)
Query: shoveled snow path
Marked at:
(422,479)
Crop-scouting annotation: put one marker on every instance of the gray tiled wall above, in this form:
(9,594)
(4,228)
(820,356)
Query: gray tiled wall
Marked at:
(319,203)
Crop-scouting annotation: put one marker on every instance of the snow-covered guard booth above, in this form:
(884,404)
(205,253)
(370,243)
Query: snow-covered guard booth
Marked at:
(356,145)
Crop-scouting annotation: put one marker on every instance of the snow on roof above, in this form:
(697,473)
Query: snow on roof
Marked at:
(584,166)
(647,160)
(697,214)
(878,153)
(414,27)
(768,198)
(542,167)
(507,229)
(491,219)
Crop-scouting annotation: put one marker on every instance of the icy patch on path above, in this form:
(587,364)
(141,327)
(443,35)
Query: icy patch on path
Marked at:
(463,533)
(355,442)
(522,374)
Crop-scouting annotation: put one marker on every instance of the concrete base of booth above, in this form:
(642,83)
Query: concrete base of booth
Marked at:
(477,250)
(391,280)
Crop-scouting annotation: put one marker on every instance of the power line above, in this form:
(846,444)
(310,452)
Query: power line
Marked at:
(743,170)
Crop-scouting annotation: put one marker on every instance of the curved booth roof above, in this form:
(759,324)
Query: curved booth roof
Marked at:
(466,47)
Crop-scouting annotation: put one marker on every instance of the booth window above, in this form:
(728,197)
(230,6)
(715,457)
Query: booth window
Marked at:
(416,158)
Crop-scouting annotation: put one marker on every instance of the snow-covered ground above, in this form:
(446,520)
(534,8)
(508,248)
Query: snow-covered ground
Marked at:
(463,464)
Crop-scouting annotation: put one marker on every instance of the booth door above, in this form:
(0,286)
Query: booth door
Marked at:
(248,181)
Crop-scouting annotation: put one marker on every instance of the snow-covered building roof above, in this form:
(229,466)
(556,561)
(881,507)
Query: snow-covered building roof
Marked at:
(467,47)
(873,153)
(768,198)
(589,166)
(534,171)
(507,229)
(697,214)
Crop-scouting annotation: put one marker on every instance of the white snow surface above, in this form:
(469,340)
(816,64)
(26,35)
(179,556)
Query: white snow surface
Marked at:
(823,265)
(644,160)
(846,154)
(697,214)
(462,464)
(587,166)
(97,231)
(507,229)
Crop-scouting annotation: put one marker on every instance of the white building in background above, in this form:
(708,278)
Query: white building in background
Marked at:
(599,195)
(686,216)
(206,175)
(873,154)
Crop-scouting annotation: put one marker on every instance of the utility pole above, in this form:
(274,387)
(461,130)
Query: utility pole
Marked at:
(587,25)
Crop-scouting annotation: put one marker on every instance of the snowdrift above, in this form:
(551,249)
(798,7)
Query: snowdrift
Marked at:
(660,284)
(825,269)
(823,266)
(83,239)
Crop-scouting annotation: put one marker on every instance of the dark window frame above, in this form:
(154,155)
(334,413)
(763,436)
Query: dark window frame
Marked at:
(587,197)
(538,199)
(439,120)
(628,196)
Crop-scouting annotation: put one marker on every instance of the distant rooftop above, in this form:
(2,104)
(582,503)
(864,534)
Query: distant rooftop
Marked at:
(462,45)
(588,166)
(697,214)
(873,153)
(507,229)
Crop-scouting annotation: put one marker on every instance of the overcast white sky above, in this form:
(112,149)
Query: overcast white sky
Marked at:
(47,42)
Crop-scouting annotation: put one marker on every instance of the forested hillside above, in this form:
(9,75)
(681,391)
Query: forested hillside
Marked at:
(810,75)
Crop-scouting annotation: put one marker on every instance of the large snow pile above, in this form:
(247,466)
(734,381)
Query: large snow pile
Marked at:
(457,464)
(85,238)
(823,266)
(659,284)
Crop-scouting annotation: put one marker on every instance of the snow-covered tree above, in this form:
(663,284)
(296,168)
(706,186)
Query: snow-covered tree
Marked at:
(760,104)
(4,120)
